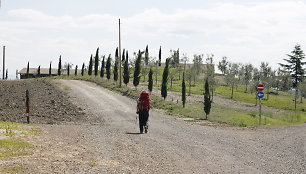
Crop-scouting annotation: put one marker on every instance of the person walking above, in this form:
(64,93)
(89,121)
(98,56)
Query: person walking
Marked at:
(143,107)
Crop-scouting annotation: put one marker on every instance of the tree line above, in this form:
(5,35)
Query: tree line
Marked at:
(288,76)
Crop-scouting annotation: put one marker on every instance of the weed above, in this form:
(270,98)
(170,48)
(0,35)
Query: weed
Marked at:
(93,163)
(66,88)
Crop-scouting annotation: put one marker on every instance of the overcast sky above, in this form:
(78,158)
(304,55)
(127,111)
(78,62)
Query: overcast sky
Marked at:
(243,30)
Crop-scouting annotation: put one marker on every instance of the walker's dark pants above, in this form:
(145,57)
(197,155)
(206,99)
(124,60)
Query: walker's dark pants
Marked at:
(143,119)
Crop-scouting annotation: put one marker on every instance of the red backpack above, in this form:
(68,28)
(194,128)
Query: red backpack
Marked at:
(144,103)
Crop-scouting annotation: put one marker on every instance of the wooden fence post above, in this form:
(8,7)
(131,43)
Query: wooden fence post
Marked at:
(27,106)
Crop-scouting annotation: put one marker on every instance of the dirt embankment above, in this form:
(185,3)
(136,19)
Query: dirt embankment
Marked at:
(48,104)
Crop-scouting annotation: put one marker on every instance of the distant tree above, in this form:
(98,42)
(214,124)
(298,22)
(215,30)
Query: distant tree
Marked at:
(177,58)
(76,70)
(102,67)
(165,80)
(144,69)
(159,56)
(197,63)
(183,91)
(207,100)
(116,70)
(116,53)
(231,76)
(190,73)
(256,75)
(255,80)
(223,65)
(68,69)
(172,74)
(123,55)
(210,74)
(247,75)
(266,77)
(146,58)
(108,67)
(16,73)
(137,69)
(50,69)
(295,68)
(83,66)
(90,66)
(156,71)
(97,62)
(240,73)
(126,72)
(38,71)
(285,79)
(28,69)
(150,82)
(59,66)
(302,89)
(174,60)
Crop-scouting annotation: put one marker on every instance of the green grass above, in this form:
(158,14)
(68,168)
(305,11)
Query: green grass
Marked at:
(234,117)
(281,101)
(12,145)
(15,169)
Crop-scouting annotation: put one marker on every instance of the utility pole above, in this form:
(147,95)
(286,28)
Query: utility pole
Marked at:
(120,74)
(3,62)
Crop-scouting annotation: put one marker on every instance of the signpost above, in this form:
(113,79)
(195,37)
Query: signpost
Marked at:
(260,95)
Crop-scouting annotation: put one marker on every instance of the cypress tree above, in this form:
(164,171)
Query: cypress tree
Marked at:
(147,56)
(50,70)
(159,57)
(97,62)
(126,72)
(28,69)
(183,90)
(76,70)
(127,54)
(108,67)
(116,70)
(83,66)
(102,67)
(150,84)
(123,55)
(137,69)
(165,80)
(68,69)
(116,53)
(38,71)
(59,66)
(207,101)
(90,66)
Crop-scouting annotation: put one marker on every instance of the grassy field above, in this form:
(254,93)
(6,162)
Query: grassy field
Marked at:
(218,114)
(13,145)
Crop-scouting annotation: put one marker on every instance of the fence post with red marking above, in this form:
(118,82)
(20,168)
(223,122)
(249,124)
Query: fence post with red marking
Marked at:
(27,106)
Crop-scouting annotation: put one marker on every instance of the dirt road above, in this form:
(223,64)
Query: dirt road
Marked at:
(175,146)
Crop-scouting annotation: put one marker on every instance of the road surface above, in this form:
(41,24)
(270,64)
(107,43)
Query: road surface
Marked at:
(176,146)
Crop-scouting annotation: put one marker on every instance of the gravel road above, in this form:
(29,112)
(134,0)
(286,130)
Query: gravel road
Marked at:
(175,146)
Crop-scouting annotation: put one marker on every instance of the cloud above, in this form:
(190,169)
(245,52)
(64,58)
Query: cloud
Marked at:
(250,32)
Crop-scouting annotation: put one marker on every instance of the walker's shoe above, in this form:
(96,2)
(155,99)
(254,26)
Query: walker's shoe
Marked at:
(146,129)
(141,131)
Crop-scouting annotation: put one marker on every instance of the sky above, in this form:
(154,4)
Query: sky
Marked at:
(244,31)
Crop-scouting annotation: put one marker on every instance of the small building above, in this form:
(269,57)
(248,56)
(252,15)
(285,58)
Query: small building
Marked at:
(33,73)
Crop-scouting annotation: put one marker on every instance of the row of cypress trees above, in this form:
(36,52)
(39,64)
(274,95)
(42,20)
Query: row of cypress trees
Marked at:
(106,66)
